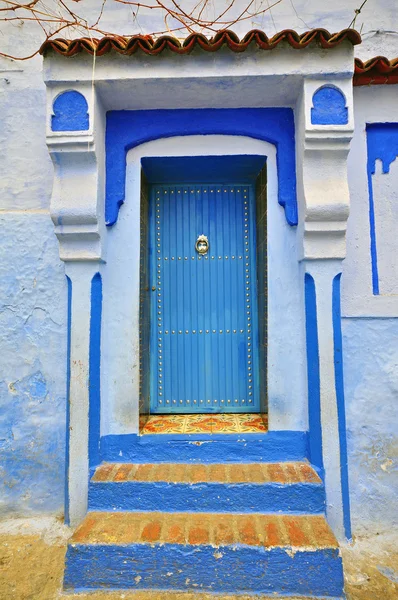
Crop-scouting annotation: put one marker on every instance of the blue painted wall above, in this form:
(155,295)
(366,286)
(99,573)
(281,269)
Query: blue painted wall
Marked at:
(371,398)
(33,316)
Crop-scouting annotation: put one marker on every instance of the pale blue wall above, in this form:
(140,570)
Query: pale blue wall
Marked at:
(371,397)
(33,307)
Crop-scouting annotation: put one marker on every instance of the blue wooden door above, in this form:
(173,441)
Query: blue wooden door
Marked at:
(204,338)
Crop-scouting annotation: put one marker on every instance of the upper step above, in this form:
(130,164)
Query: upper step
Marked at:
(240,553)
(268,446)
(255,487)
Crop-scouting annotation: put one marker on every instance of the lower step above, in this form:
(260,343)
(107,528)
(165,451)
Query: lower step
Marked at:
(256,487)
(209,552)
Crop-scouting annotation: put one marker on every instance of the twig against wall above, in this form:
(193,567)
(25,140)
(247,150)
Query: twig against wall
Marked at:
(54,17)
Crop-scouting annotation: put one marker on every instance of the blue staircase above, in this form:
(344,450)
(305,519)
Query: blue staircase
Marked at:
(257,527)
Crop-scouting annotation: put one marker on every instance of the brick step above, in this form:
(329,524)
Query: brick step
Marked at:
(256,487)
(209,552)
(288,472)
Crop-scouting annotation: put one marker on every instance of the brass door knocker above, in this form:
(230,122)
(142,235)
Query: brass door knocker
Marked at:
(202,244)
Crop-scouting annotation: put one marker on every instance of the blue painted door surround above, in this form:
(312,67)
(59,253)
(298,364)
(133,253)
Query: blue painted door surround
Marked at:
(204,333)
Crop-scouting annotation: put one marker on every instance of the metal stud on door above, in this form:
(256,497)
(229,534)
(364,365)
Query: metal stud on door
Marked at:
(204,342)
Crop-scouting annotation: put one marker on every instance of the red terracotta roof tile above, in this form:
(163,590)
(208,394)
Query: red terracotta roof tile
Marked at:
(148,45)
(377,70)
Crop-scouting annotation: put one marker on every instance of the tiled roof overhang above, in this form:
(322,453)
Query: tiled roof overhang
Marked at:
(148,45)
(376,71)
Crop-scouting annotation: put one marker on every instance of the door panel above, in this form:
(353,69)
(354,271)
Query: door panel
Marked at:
(204,338)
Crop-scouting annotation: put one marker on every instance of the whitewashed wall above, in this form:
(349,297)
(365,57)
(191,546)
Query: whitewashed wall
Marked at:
(33,286)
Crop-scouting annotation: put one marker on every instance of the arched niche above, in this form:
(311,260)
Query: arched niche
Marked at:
(70,112)
(329,107)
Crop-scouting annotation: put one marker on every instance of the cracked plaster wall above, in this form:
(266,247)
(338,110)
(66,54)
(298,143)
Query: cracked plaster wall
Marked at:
(32,373)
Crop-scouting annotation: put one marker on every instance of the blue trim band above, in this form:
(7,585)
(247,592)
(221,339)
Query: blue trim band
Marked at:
(273,446)
(339,382)
(294,498)
(67,432)
(95,371)
(373,246)
(314,387)
(128,129)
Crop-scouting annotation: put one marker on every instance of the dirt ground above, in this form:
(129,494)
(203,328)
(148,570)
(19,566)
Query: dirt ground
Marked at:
(32,555)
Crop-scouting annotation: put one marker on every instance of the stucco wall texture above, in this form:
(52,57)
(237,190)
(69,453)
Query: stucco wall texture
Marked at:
(371,393)
(32,372)
(33,302)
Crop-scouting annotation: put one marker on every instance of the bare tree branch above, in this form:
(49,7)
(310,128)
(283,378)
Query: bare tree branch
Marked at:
(61,16)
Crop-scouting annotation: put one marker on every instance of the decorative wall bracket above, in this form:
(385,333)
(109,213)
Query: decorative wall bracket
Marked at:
(322,151)
(77,203)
